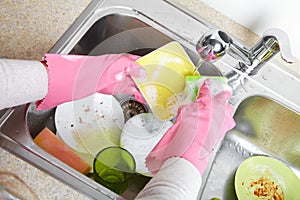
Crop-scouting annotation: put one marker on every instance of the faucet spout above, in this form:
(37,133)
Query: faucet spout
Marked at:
(250,60)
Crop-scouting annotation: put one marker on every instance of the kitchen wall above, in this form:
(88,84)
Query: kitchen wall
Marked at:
(260,15)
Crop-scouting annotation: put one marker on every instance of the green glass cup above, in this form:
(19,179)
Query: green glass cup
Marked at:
(113,168)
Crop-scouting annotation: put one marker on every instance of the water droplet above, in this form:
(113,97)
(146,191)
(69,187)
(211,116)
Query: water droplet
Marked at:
(264,77)
(239,149)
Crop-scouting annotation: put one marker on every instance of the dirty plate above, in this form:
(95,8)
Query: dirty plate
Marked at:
(164,85)
(139,136)
(262,177)
(90,124)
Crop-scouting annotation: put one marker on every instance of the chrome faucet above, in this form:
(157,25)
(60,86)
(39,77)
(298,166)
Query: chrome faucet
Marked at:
(215,43)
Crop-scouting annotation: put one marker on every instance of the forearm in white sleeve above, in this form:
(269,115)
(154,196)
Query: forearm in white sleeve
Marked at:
(21,81)
(177,179)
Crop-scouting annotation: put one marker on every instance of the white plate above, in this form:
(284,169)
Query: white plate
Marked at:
(90,124)
(140,135)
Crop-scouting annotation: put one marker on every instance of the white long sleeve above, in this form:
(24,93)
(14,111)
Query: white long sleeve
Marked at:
(177,179)
(21,81)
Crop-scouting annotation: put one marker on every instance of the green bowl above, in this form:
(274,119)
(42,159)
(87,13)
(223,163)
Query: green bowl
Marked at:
(262,177)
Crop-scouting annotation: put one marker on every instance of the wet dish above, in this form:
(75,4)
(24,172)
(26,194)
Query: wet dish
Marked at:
(139,136)
(90,124)
(265,178)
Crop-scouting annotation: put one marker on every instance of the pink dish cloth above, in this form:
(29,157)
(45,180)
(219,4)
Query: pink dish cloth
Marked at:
(197,129)
(72,77)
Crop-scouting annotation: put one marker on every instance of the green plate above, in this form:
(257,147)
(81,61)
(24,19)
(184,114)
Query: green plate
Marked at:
(260,177)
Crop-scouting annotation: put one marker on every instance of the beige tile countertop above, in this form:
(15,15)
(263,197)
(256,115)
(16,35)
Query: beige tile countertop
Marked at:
(29,28)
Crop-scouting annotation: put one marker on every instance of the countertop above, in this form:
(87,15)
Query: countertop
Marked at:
(29,28)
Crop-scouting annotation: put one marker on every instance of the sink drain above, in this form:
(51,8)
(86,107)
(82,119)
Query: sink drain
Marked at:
(132,107)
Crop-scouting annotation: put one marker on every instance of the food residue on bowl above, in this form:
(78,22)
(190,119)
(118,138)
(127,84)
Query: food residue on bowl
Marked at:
(265,188)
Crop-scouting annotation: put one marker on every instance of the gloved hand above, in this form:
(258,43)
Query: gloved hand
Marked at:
(72,77)
(197,129)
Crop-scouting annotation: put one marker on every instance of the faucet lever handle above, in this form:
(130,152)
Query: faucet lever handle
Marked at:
(283,42)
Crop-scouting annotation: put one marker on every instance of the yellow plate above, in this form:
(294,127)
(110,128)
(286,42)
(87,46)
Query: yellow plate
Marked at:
(164,85)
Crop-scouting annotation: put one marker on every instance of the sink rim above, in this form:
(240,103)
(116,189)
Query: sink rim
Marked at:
(63,45)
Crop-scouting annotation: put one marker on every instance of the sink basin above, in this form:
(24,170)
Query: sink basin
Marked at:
(266,116)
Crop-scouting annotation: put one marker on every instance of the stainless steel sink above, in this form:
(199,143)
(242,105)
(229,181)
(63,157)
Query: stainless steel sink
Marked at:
(119,26)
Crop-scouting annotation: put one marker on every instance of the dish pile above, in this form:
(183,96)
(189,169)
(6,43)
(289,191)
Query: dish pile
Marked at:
(99,121)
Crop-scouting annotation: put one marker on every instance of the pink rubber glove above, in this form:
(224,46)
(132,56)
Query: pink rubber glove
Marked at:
(198,127)
(72,77)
